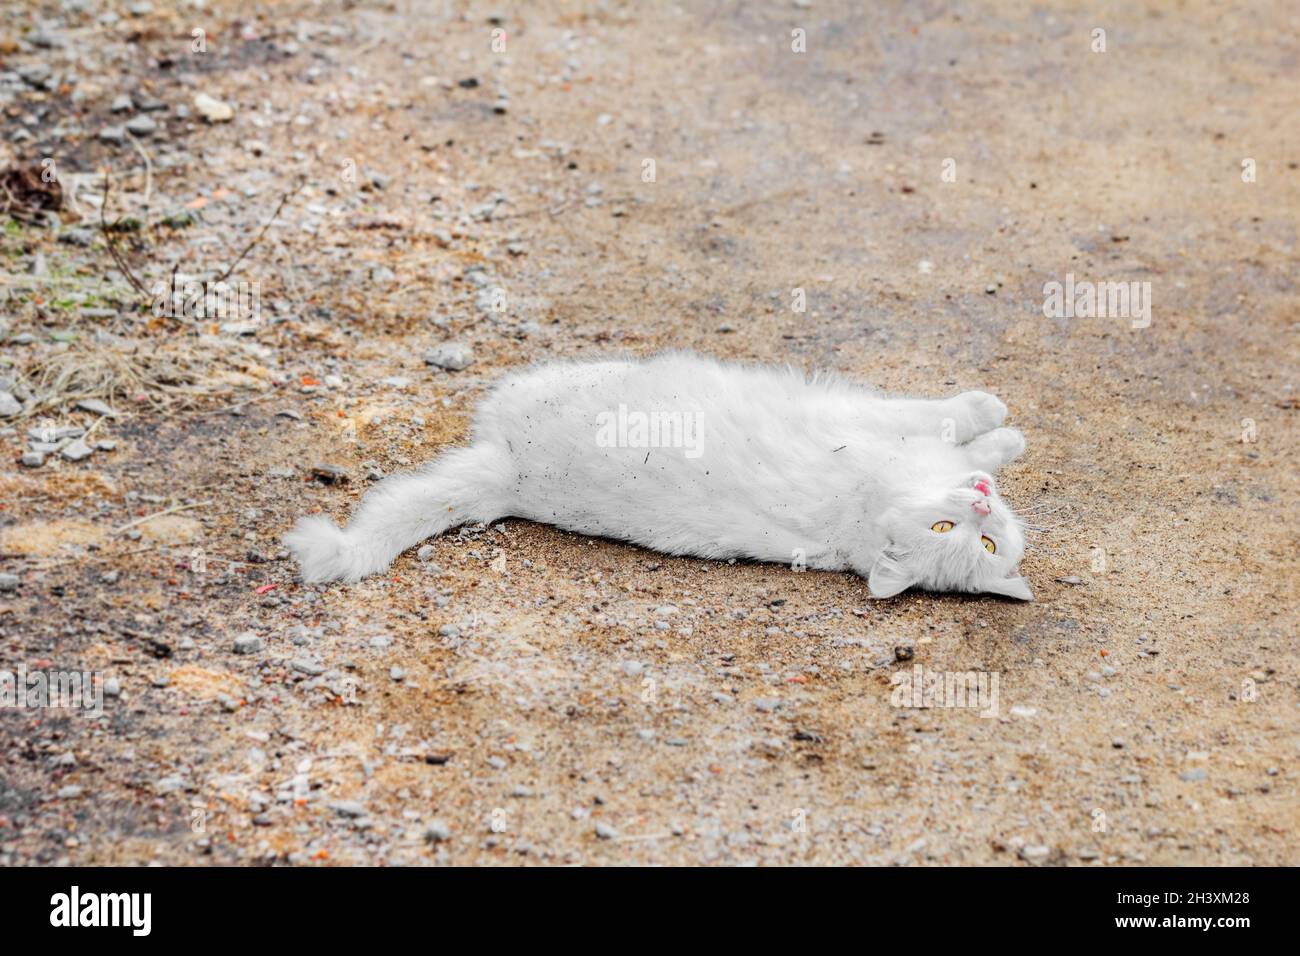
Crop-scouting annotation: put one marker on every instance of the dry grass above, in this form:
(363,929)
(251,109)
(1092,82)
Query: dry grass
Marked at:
(171,374)
(48,538)
(55,486)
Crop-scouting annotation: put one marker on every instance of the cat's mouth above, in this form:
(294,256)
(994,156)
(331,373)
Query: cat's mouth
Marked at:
(982,485)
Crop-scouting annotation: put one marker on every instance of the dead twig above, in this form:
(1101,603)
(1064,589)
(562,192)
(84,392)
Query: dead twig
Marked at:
(148,177)
(89,431)
(159,514)
(87,559)
(258,238)
(112,245)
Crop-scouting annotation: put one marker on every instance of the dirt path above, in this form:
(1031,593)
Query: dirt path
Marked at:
(530,696)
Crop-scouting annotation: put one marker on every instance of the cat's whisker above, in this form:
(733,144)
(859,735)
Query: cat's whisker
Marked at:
(1045,532)
(1041,509)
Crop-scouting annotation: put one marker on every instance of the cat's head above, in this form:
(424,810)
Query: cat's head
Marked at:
(952,535)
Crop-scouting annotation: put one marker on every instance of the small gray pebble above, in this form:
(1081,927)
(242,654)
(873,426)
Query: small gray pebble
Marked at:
(452,356)
(96,407)
(76,450)
(437,831)
(248,643)
(142,126)
(77,237)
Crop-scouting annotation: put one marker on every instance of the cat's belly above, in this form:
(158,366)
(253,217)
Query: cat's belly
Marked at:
(651,500)
(693,469)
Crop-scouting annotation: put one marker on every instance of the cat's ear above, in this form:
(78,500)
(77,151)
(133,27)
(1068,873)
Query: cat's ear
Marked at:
(888,577)
(1016,587)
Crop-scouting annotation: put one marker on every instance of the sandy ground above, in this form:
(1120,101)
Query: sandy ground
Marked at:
(531,696)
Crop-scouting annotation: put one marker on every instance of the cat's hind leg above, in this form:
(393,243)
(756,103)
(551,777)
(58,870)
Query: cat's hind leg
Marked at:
(459,486)
(957,419)
(971,414)
(991,450)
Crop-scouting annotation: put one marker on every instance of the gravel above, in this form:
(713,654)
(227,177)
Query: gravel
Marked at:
(330,474)
(76,450)
(142,126)
(1035,853)
(437,831)
(452,356)
(348,808)
(248,643)
(212,109)
(96,407)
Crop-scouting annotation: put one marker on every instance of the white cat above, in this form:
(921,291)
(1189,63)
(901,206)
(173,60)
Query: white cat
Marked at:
(692,456)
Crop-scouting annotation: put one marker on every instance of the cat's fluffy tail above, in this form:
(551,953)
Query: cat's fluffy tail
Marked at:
(460,486)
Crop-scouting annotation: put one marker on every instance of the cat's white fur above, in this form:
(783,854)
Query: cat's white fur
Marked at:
(785,467)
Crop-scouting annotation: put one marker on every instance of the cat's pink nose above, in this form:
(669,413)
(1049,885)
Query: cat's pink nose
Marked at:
(981,507)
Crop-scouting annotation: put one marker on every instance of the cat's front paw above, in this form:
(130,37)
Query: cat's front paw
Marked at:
(975,413)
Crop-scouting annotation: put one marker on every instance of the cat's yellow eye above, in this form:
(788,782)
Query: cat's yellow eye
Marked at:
(941,526)
(989,546)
